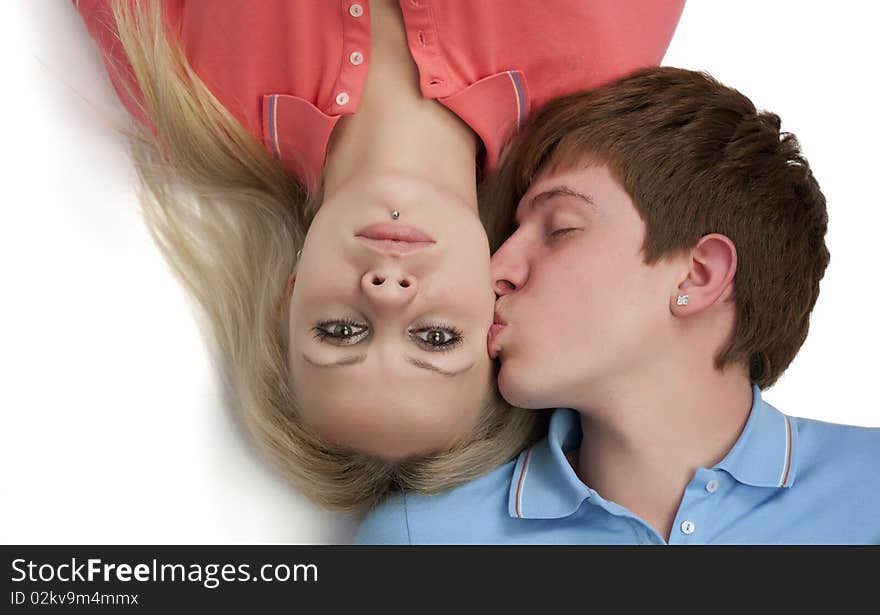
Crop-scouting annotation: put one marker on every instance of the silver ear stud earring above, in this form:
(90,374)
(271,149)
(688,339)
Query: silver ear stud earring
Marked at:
(395,214)
(682,300)
(299,253)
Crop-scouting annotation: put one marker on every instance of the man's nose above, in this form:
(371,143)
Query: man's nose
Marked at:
(389,286)
(510,269)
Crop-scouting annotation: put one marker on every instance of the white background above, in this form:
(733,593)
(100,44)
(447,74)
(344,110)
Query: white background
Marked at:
(112,426)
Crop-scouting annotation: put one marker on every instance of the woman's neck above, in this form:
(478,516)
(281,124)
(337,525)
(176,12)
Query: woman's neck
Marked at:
(396,131)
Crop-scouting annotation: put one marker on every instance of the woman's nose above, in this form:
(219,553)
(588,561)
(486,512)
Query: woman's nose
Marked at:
(389,286)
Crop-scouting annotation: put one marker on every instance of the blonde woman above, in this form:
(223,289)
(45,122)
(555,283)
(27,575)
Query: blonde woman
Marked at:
(310,169)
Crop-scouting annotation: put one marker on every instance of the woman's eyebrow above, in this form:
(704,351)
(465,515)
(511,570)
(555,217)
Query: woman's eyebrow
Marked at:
(542,197)
(341,362)
(439,370)
(412,360)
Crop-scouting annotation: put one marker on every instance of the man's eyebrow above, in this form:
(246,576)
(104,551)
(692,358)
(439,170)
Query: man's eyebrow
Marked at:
(542,197)
(412,360)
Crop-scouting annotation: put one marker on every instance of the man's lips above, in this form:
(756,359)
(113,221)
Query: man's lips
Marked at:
(491,344)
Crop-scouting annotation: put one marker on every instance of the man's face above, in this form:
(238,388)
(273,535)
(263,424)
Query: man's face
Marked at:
(582,309)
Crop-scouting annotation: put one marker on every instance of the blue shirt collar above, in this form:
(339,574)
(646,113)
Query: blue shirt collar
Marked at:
(544,485)
(765,455)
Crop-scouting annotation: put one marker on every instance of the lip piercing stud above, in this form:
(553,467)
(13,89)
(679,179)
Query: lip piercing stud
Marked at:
(682,300)
(395,214)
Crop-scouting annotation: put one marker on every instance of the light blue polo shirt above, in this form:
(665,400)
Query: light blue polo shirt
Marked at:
(787,480)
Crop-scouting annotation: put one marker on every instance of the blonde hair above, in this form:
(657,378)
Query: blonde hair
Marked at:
(229,219)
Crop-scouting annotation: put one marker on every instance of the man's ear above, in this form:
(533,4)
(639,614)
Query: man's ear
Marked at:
(709,277)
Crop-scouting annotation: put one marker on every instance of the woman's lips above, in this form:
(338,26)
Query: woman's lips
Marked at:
(391,231)
(392,246)
(393,238)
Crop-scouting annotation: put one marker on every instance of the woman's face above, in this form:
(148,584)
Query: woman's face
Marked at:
(581,307)
(388,338)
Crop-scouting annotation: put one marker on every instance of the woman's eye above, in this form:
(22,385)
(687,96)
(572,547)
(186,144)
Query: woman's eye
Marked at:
(341,333)
(438,338)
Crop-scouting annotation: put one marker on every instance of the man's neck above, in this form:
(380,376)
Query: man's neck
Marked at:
(644,438)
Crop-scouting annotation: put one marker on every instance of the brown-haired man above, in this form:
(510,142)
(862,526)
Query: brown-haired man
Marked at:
(661,264)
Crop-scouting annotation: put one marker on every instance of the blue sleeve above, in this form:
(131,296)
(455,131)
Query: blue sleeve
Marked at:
(386,524)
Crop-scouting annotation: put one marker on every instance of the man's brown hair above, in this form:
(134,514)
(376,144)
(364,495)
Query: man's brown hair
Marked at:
(696,157)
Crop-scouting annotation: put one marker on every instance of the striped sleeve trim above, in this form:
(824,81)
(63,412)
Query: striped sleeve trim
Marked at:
(273,125)
(520,98)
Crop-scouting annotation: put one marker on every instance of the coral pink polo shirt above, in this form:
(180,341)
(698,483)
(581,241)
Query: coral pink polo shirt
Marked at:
(289,69)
